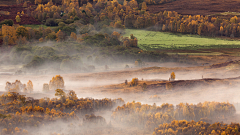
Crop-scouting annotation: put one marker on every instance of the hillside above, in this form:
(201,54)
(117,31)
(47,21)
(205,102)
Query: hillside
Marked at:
(198,7)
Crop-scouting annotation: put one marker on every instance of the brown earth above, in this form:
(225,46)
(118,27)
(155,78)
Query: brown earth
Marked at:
(198,7)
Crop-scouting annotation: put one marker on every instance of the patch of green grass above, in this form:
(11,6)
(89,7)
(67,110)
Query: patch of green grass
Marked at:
(198,54)
(152,40)
(37,26)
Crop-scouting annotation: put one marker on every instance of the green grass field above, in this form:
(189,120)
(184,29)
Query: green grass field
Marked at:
(151,40)
(37,26)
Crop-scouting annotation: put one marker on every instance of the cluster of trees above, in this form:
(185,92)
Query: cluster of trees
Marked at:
(17,86)
(103,14)
(18,111)
(20,35)
(150,116)
(183,127)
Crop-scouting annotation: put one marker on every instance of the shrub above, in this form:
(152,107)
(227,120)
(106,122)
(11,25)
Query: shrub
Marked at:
(69,29)
(28,58)
(36,62)
(172,76)
(51,36)
(134,82)
(21,31)
(76,18)
(8,22)
(24,53)
(51,22)
(68,21)
(61,24)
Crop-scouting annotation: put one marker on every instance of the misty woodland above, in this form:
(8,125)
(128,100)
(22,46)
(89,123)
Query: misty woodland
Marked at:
(119,67)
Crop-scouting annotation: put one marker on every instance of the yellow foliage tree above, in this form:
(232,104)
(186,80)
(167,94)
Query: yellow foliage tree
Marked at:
(221,30)
(21,31)
(22,13)
(57,82)
(40,39)
(9,33)
(134,82)
(73,36)
(29,86)
(60,36)
(25,4)
(173,76)
(38,1)
(144,6)
(18,19)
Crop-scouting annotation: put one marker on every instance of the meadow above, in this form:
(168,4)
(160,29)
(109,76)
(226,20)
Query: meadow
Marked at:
(152,40)
(37,26)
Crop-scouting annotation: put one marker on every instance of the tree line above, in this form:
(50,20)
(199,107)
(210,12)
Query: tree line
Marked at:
(150,116)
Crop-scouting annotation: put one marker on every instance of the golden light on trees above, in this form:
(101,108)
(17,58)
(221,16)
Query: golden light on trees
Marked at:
(21,31)
(134,82)
(172,76)
(9,32)
(57,82)
(18,19)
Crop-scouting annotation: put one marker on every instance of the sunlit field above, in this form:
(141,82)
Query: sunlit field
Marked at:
(151,40)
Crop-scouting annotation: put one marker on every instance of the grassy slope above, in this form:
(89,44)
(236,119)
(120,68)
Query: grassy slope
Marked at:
(37,26)
(150,40)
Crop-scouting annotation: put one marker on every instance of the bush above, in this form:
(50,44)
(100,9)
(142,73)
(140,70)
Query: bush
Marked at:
(61,24)
(51,36)
(76,18)
(24,53)
(45,51)
(8,22)
(28,58)
(22,31)
(134,82)
(35,63)
(51,22)
(68,21)
(69,29)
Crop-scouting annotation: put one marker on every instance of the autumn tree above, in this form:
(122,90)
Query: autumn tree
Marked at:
(221,30)
(45,87)
(57,82)
(144,6)
(25,4)
(72,95)
(38,2)
(9,33)
(60,36)
(172,76)
(29,86)
(60,93)
(73,36)
(134,82)
(21,31)
(18,19)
